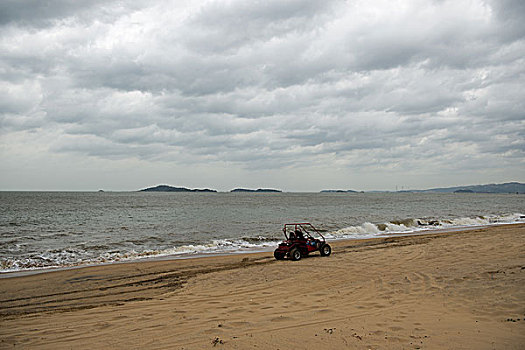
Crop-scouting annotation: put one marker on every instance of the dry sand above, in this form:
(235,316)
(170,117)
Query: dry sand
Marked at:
(460,290)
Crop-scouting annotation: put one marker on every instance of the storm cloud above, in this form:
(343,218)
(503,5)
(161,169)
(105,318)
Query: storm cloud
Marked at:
(347,94)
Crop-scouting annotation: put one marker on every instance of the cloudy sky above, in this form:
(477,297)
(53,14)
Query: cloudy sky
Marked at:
(299,95)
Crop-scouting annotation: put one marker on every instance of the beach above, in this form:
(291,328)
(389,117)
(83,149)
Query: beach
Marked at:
(446,290)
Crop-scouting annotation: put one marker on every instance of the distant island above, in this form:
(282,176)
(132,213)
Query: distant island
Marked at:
(338,191)
(166,188)
(264,190)
(509,187)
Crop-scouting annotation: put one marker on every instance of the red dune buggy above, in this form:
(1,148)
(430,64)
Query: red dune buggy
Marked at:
(300,242)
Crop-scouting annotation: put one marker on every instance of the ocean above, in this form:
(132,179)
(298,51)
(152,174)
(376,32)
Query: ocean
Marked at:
(43,230)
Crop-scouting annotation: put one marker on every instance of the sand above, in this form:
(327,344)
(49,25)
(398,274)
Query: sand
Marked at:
(456,290)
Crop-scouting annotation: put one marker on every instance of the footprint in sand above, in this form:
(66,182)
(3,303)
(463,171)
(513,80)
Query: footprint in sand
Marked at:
(103,325)
(324,311)
(281,319)
(238,310)
(394,339)
(240,324)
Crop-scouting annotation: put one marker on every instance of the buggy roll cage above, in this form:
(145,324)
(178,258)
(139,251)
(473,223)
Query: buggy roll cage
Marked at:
(304,226)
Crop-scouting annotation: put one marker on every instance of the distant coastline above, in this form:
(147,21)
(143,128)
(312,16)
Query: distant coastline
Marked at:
(508,187)
(167,188)
(338,191)
(264,190)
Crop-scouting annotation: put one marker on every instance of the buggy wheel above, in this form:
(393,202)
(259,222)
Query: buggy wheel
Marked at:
(326,250)
(278,255)
(295,254)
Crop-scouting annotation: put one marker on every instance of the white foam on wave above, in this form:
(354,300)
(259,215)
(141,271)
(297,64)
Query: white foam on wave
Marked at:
(76,257)
(370,230)
(488,220)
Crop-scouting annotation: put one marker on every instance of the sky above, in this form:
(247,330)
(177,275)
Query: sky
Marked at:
(297,95)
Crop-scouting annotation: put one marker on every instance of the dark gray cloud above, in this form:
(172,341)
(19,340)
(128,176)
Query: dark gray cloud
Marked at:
(433,88)
(35,12)
(45,13)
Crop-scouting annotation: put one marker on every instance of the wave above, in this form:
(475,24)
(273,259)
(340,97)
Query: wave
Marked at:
(77,257)
(87,255)
(371,230)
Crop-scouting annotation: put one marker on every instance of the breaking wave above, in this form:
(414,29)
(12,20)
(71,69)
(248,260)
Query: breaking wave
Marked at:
(78,257)
(88,256)
(371,230)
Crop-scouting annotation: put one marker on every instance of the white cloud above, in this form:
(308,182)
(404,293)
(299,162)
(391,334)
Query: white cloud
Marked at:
(430,90)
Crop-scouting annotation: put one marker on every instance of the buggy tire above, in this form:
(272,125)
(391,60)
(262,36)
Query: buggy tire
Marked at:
(278,255)
(325,250)
(295,254)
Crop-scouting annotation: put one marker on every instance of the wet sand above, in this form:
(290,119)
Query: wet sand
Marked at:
(452,290)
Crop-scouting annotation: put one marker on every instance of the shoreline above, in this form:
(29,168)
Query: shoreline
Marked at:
(183,256)
(457,290)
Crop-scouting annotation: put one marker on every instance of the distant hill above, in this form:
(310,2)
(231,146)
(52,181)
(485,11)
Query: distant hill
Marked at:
(463,191)
(264,190)
(509,187)
(166,188)
(338,191)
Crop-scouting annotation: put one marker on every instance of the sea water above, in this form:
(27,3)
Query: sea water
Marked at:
(55,229)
